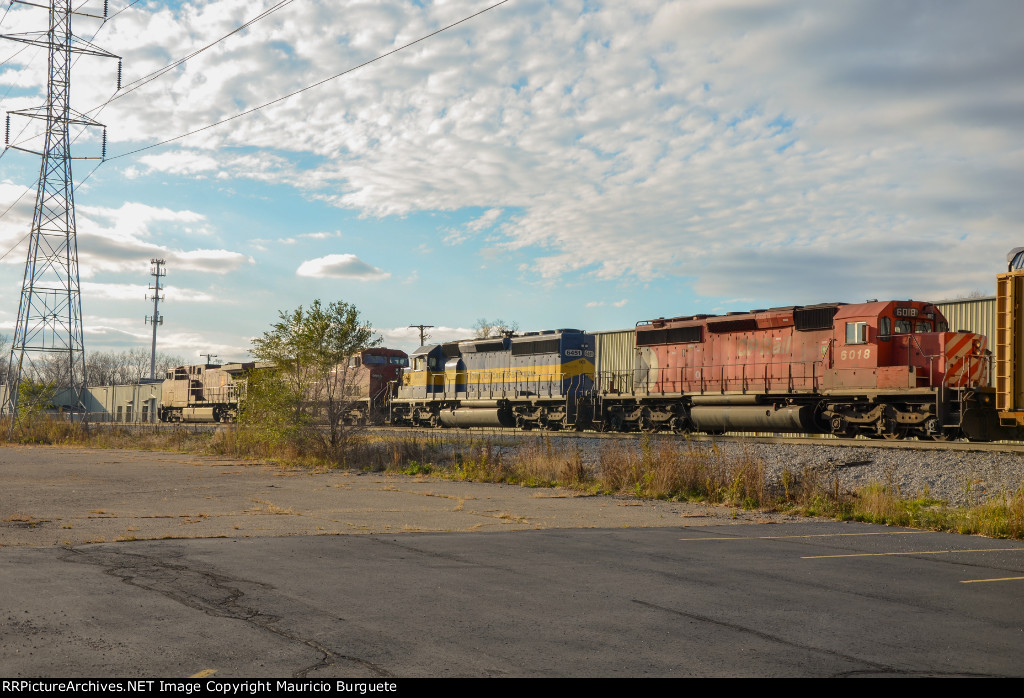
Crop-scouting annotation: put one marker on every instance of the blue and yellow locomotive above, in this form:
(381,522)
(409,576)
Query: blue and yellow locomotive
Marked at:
(533,380)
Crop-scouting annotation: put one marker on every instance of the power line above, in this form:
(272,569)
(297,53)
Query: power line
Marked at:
(310,87)
(274,8)
(145,79)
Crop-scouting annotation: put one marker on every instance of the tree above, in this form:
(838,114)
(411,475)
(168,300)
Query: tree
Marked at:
(304,396)
(125,367)
(494,328)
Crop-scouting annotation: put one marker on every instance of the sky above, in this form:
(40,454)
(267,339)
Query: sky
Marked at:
(552,164)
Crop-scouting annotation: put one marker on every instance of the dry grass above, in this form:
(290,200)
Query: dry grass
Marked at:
(665,470)
(674,471)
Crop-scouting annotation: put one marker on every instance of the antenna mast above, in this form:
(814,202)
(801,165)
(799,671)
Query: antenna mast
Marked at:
(49,324)
(157,318)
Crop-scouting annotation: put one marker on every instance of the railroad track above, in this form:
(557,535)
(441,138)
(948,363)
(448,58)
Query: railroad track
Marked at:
(477,432)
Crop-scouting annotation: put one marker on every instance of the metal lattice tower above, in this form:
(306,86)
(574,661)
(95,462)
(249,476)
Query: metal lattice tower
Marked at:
(48,344)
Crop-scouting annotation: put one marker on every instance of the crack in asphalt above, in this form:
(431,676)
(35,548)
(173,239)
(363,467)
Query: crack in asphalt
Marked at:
(772,638)
(186,586)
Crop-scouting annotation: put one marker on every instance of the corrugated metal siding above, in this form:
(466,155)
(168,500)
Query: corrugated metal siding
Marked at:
(614,355)
(972,314)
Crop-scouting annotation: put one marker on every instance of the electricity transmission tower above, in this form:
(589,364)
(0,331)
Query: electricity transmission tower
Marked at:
(48,342)
(157,318)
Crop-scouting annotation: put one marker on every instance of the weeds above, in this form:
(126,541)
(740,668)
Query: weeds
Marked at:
(675,470)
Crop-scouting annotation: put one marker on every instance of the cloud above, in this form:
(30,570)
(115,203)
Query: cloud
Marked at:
(690,140)
(122,333)
(118,240)
(454,236)
(408,338)
(181,162)
(139,292)
(341,266)
(321,235)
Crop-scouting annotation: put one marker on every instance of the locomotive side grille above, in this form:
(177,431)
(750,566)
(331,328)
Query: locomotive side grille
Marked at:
(676,335)
(646,339)
(545,346)
(746,325)
(685,334)
(814,318)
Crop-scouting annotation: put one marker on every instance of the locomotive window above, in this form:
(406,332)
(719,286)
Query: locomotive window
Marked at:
(398,361)
(420,361)
(884,327)
(903,326)
(371,359)
(943,326)
(923,326)
(856,333)
(353,362)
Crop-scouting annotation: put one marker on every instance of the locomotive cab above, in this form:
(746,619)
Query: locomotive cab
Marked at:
(902,344)
(425,375)
(368,379)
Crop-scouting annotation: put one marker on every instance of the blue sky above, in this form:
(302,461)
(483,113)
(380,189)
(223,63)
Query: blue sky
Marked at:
(555,164)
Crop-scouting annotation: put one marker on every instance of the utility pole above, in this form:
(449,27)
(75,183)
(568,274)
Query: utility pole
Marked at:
(49,324)
(423,335)
(157,318)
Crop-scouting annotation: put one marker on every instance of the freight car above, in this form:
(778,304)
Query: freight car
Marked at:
(535,380)
(212,392)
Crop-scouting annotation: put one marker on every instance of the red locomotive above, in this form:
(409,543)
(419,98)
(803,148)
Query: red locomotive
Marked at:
(882,369)
(372,375)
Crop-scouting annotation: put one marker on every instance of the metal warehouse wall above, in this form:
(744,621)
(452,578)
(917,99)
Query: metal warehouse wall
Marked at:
(118,403)
(972,314)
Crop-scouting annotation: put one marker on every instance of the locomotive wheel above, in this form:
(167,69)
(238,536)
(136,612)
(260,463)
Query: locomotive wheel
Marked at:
(935,432)
(842,429)
(679,425)
(894,431)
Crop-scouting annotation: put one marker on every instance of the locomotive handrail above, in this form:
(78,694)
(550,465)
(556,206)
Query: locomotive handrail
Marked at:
(807,378)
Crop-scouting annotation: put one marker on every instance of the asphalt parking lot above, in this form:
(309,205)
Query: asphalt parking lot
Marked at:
(122,563)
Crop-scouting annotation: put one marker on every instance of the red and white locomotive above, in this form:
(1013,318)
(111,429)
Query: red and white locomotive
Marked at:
(882,369)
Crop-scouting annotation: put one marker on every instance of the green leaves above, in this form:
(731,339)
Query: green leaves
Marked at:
(316,337)
(301,403)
